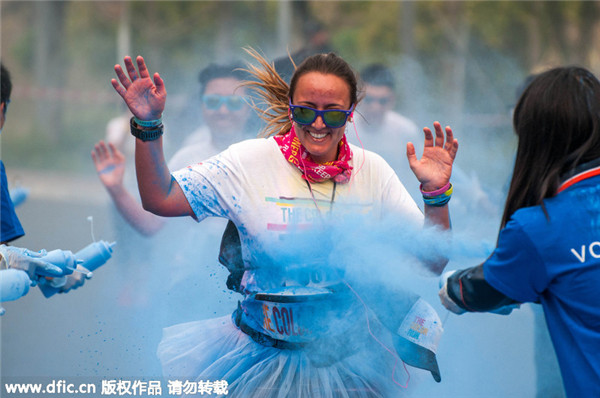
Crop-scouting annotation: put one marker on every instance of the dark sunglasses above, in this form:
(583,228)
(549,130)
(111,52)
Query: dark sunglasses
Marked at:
(332,118)
(214,102)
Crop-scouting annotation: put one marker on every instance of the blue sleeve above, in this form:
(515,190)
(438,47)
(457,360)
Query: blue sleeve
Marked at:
(11,226)
(516,268)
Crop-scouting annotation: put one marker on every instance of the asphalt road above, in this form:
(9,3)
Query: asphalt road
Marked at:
(110,327)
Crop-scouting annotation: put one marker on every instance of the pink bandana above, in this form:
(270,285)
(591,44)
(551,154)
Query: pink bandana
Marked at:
(340,170)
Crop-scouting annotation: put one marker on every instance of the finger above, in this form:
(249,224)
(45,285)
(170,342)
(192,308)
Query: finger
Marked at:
(439,134)
(96,153)
(453,149)
(133,75)
(428,136)
(102,152)
(118,88)
(96,146)
(451,145)
(160,84)
(122,77)
(112,148)
(116,153)
(46,269)
(411,154)
(142,67)
(449,138)
(102,148)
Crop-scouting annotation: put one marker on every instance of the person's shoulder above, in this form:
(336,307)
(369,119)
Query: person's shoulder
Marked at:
(252,149)
(201,135)
(255,153)
(257,144)
(191,154)
(400,123)
(534,218)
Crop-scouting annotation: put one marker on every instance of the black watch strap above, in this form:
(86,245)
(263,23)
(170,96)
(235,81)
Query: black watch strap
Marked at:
(145,134)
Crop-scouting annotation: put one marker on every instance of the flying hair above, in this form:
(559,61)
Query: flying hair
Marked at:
(274,93)
(271,93)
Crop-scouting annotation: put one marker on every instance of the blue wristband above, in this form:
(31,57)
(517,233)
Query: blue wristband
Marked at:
(148,123)
(439,200)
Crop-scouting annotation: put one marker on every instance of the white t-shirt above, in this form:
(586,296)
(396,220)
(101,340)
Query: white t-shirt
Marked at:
(252,184)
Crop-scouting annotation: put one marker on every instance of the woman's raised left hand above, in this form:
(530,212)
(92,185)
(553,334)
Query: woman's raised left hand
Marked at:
(145,97)
(434,168)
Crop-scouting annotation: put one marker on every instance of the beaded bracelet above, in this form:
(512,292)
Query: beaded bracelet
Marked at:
(148,123)
(439,197)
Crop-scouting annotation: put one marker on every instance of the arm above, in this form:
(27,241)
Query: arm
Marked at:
(433,171)
(110,166)
(146,99)
(514,273)
(467,290)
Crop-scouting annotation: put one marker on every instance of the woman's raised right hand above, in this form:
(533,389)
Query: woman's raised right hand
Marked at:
(144,97)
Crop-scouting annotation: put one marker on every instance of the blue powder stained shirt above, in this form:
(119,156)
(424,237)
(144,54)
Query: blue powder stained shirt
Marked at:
(11,226)
(556,262)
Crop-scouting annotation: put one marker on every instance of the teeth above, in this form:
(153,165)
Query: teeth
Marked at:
(317,136)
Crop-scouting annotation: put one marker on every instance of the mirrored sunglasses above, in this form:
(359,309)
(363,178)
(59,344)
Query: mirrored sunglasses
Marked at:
(214,102)
(333,118)
(383,101)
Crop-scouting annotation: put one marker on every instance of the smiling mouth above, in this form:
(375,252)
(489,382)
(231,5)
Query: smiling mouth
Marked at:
(317,136)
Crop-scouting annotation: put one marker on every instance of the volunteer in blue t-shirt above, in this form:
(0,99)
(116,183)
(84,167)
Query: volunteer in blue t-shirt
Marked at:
(11,227)
(548,249)
(21,268)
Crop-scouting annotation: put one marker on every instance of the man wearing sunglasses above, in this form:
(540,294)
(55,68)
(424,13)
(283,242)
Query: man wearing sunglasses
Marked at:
(380,120)
(225,113)
(378,125)
(226,118)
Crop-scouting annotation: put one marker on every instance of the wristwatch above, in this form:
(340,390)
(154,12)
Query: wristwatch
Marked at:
(145,134)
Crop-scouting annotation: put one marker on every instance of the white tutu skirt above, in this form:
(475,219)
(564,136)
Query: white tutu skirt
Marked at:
(361,365)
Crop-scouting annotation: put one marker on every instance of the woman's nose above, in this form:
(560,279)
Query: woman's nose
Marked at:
(318,123)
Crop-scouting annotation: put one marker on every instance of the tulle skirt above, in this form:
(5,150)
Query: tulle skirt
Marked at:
(361,364)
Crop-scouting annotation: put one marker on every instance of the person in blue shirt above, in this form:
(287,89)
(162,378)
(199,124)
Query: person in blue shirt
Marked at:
(11,226)
(548,248)
(21,268)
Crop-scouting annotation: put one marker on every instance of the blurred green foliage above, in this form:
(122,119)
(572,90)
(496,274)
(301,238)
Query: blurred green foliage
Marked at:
(455,61)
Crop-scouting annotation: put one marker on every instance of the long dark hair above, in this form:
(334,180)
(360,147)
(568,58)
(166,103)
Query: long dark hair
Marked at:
(6,84)
(557,122)
(274,93)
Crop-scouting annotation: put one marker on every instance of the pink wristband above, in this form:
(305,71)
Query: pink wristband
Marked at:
(437,192)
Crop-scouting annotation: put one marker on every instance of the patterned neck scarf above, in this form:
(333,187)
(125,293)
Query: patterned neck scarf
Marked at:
(339,170)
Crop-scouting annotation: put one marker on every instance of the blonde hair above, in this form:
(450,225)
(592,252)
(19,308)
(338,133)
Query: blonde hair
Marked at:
(272,93)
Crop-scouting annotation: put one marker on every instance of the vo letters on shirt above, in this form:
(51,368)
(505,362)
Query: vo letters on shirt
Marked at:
(593,249)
